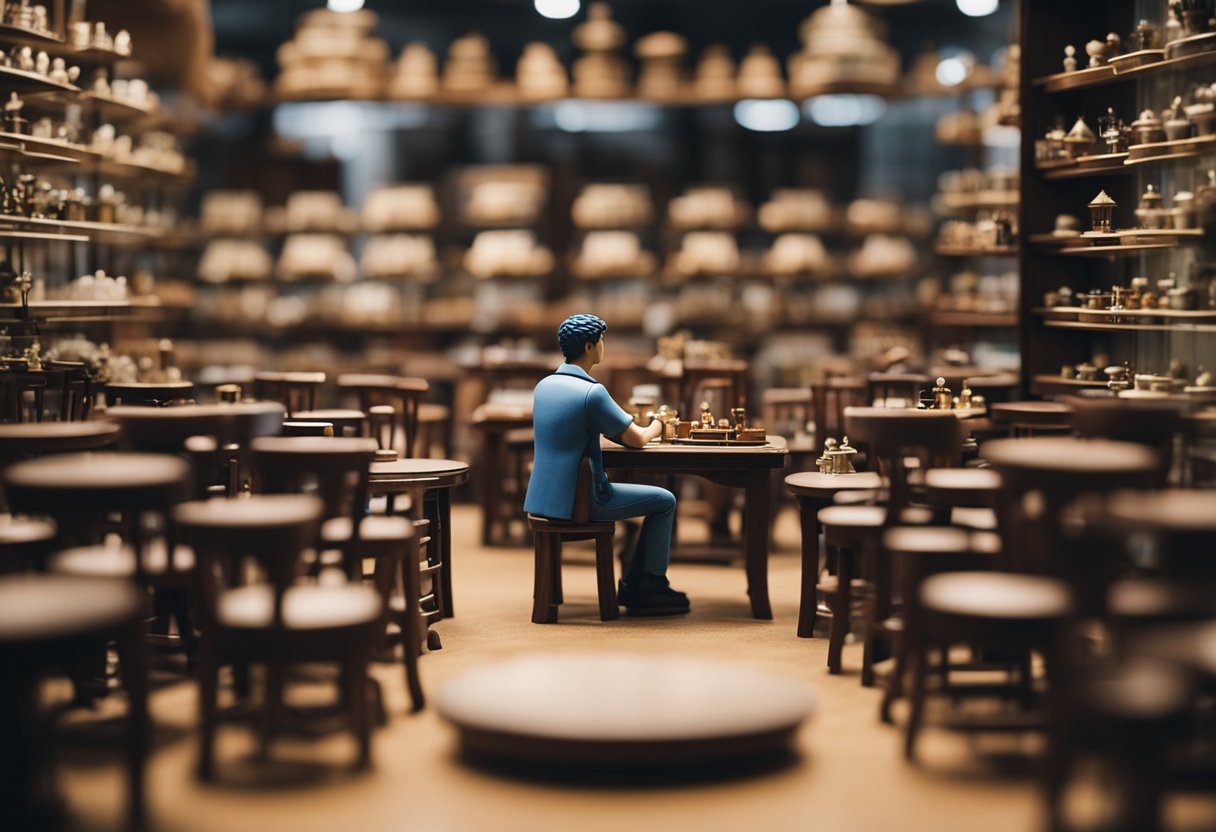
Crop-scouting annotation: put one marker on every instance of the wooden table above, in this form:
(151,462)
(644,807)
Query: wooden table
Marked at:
(745,467)
(493,422)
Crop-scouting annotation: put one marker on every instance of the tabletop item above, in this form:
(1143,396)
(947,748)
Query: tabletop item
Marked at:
(836,458)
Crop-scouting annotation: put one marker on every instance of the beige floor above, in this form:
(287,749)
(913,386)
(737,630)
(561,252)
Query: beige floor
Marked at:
(850,774)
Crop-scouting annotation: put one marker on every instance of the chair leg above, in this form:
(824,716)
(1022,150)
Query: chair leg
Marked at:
(555,562)
(895,684)
(605,578)
(918,653)
(841,611)
(542,589)
(272,707)
(809,601)
(135,679)
(208,692)
(355,675)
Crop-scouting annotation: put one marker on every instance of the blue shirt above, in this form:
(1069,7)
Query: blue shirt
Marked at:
(570,410)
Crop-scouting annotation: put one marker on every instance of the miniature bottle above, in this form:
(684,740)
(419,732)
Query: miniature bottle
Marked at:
(941,395)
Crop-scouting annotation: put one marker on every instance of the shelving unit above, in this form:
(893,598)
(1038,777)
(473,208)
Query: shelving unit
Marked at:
(1058,337)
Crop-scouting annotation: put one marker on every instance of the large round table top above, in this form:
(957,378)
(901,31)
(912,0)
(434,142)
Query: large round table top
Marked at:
(35,437)
(110,471)
(38,607)
(622,708)
(416,467)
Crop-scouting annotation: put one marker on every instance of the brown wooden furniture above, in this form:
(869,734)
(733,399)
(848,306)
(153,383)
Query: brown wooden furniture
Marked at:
(1030,418)
(906,387)
(279,620)
(492,423)
(149,394)
(338,471)
(547,586)
(742,467)
(814,492)
(404,395)
(729,376)
(33,439)
(829,397)
(853,533)
(46,622)
(1154,424)
(296,391)
(349,423)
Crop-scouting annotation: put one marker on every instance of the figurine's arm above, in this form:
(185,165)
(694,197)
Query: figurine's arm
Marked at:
(636,437)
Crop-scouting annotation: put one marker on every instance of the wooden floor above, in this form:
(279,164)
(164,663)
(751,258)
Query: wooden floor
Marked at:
(849,774)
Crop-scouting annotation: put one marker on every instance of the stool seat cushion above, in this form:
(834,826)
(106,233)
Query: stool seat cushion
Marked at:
(815,484)
(108,560)
(981,519)
(304,607)
(376,528)
(38,607)
(996,595)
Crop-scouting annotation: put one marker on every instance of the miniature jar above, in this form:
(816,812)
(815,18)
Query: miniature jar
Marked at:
(1149,213)
(1147,129)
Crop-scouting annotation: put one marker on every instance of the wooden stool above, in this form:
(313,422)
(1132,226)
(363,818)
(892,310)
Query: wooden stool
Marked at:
(1031,418)
(278,622)
(25,542)
(880,387)
(815,492)
(1154,424)
(34,439)
(547,589)
(47,621)
(434,421)
(404,395)
(994,610)
(344,422)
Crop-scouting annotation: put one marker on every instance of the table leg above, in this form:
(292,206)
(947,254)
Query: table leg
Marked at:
(808,510)
(491,477)
(443,497)
(755,530)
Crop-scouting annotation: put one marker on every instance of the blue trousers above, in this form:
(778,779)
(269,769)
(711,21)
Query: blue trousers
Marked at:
(658,506)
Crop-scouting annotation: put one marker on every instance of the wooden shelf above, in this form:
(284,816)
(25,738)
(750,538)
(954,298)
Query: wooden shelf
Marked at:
(25,82)
(1130,327)
(1048,385)
(1078,313)
(99,232)
(995,320)
(20,36)
(52,151)
(978,200)
(1100,76)
(1145,240)
(69,310)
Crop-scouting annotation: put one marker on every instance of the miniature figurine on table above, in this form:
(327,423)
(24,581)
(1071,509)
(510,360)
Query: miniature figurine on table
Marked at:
(570,411)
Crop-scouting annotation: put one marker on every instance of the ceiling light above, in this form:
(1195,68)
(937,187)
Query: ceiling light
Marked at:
(767,115)
(844,110)
(557,9)
(345,5)
(977,8)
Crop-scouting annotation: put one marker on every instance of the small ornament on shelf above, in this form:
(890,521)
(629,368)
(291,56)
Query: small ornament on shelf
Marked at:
(1101,211)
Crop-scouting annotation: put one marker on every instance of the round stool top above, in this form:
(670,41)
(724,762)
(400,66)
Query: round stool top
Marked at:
(996,595)
(940,539)
(962,479)
(816,484)
(18,532)
(642,701)
(383,382)
(1031,413)
(1140,689)
(39,607)
(1068,455)
(260,511)
(151,386)
(330,415)
(290,377)
(1181,510)
(412,467)
(1191,645)
(88,472)
(313,445)
(41,437)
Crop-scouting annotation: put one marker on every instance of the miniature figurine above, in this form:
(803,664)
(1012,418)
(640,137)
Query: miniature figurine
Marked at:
(707,418)
(942,398)
(1173,23)
(13,121)
(25,59)
(1114,132)
(122,43)
(61,73)
(1070,58)
(1147,128)
(1177,124)
(42,63)
(1114,45)
(1096,50)
(571,410)
(1102,212)
(101,38)
(1145,37)
(82,35)
(964,399)
(39,20)
(1148,214)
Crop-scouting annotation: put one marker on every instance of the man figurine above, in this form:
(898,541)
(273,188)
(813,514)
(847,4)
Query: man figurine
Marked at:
(570,411)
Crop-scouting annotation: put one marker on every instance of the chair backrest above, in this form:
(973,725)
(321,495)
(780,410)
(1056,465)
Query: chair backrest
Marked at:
(907,386)
(1154,424)
(893,435)
(727,376)
(829,398)
(582,493)
(272,531)
(294,390)
(403,394)
(336,467)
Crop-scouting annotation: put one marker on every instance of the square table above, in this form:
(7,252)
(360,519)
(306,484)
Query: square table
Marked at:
(741,466)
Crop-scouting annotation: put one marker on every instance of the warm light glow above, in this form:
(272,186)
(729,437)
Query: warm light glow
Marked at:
(767,115)
(599,116)
(977,8)
(345,5)
(952,71)
(844,110)
(557,9)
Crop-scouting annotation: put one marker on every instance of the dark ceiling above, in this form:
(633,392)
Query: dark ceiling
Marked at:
(255,29)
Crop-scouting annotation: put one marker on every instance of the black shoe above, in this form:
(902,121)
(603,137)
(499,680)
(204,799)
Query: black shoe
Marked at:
(622,586)
(652,595)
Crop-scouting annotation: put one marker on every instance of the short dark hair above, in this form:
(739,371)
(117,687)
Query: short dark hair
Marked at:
(576,332)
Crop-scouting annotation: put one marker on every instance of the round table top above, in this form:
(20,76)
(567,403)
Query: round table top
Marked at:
(417,467)
(816,484)
(1045,413)
(39,607)
(1069,455)
(996,595)
(28,436)
(313,445)
(383,382)
(329,415)
(259,510)
(149,385)
(613,698)
(125,413)
(1182,510)
(109,471)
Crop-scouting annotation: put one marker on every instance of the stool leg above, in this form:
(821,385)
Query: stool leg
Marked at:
(411,628)
(542,589)
(135,679)
(918,653)
(555,562)
(355,676)
(606,578)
